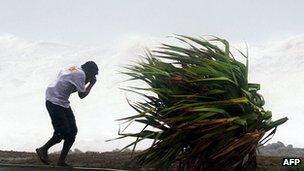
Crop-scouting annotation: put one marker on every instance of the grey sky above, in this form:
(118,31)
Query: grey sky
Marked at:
(102,22)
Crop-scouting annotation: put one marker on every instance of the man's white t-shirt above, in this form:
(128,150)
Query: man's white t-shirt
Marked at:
(67,80)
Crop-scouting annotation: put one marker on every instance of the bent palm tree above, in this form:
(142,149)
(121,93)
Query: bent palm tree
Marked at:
(205,114)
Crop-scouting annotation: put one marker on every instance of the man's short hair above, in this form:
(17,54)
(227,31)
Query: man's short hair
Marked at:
(90,67)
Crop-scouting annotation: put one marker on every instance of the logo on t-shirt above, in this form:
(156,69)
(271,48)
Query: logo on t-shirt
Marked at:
(73,68)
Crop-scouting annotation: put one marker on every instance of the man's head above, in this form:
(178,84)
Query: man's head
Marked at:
(90,69)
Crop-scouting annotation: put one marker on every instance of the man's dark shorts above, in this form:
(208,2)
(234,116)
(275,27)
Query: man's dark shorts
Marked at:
(63,121)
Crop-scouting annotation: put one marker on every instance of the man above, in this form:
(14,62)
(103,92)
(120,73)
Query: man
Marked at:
(57,94)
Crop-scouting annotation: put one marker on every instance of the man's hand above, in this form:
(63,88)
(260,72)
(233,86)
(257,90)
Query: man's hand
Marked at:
(88,88)
(93,80)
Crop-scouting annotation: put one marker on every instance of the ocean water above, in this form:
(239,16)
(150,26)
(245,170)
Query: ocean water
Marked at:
(28,66)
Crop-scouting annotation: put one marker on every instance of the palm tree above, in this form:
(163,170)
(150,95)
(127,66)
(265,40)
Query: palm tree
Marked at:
(202,113)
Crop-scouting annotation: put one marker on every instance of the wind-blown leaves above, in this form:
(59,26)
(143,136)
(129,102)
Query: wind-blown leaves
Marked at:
(204,113)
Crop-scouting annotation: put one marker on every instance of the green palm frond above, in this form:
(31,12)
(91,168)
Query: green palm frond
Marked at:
(204,111)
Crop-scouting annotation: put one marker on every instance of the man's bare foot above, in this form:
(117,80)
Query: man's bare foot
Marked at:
(63,164)
(42,154)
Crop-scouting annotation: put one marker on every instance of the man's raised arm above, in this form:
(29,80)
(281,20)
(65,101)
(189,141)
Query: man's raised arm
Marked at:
(88,89)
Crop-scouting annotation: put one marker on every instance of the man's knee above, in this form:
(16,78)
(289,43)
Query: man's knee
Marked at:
(71,135)
(57,137)
(70,138)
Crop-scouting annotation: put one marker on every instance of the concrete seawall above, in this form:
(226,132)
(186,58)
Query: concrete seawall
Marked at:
(14,167)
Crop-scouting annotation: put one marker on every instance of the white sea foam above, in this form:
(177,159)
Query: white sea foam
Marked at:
(27,67)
